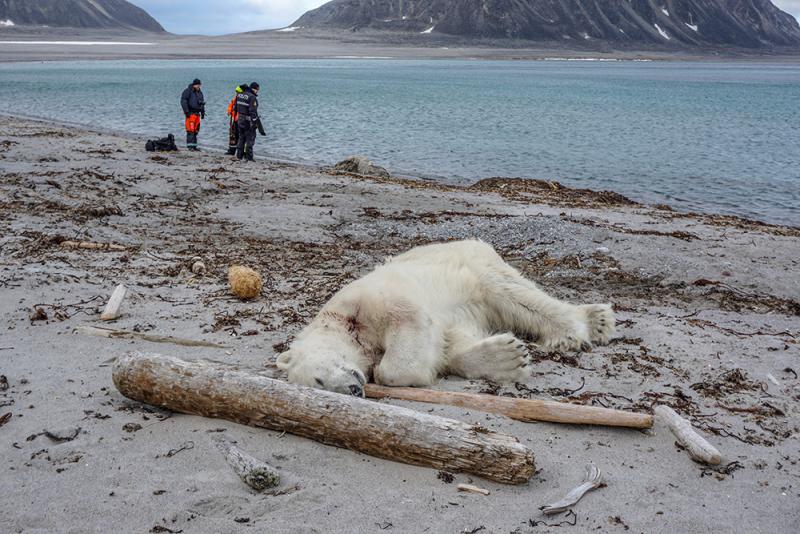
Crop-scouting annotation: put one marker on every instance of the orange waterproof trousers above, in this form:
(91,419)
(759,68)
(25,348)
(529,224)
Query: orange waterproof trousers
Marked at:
(193,124)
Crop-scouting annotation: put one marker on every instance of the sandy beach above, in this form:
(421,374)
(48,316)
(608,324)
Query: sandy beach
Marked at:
(709,323)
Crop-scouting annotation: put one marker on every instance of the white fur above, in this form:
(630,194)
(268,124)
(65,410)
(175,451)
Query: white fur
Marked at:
(439,309)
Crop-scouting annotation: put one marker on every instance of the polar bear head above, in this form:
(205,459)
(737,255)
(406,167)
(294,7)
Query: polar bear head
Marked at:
(322,368)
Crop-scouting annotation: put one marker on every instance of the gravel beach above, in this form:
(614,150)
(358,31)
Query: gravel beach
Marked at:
(709,323)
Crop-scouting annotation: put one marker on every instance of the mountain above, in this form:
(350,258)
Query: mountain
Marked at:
(77,14)
(669,23)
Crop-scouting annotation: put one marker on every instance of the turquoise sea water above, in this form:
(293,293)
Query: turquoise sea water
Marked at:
(714,137)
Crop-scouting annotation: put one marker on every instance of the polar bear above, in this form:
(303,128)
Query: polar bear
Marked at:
(435,310)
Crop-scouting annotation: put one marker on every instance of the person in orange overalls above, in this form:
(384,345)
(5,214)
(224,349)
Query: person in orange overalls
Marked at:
(233,128)
(194,109)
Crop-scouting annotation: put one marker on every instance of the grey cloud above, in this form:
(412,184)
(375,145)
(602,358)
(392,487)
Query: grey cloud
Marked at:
(214,17)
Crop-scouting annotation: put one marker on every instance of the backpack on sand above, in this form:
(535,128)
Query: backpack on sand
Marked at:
(165,144)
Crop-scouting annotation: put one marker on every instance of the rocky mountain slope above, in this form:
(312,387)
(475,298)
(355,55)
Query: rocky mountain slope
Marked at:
(671,23)
(77,14)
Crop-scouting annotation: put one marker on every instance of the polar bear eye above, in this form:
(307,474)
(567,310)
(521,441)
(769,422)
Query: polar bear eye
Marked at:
(319,382)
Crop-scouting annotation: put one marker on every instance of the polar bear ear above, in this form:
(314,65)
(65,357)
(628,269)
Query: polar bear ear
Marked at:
(284,361)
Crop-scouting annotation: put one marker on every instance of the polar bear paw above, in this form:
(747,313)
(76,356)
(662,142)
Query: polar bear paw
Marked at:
(504,358)
(583,327)
(600,322)
(573,335)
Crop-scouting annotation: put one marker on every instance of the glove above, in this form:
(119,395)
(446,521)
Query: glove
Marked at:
(202,114)
(260,127)
(186,114)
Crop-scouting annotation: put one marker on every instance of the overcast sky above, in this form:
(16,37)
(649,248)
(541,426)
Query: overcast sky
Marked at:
(213,17)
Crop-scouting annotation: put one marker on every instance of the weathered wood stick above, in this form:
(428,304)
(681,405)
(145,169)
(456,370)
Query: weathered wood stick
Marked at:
(469,488)
(112,309)
(698,448)
(93,246)
(527,410)
(255,473)
(98,331)
(377,429)
(592,479)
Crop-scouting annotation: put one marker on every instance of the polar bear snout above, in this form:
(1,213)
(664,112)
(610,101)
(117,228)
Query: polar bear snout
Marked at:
(322,369)
(357,390)
(343,380)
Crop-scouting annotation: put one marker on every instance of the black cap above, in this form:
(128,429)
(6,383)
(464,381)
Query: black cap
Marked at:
(255,85)
(197,82)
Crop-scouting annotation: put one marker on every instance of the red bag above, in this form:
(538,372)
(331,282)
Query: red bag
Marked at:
(193,124)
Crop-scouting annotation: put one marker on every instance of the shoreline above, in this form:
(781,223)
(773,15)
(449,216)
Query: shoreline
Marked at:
(708,323)
(720,218)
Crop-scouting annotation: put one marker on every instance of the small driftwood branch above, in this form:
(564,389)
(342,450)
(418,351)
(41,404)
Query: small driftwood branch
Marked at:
(381,430)
(112,309)
(98,331)
(469,488)
(255,473)
(527,410)
(93,246)
(593,479)
(698,448)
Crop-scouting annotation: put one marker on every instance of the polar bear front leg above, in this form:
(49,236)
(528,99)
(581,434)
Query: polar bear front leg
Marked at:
(413,353)
(501,358)
(556,325)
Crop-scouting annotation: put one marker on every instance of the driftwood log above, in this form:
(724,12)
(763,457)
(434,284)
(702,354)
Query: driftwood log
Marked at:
(592,480)
(112,309)
(381,430)
(99,331)
(469,488)
(253,472)
(526,410)
(696,445)
(93,246)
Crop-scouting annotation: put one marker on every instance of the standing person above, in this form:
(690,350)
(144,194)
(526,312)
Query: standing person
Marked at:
(249,122)
(194,108)
(233,127)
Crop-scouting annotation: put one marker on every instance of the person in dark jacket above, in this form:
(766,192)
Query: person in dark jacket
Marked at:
(233,128)
(248,121)
(194,109)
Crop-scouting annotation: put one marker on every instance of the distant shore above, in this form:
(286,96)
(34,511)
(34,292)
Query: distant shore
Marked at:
(302,45)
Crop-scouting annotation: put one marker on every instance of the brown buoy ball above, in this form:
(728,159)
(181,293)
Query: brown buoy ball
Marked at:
(245,282)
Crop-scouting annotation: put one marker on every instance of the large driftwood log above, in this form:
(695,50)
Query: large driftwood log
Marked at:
(527,410)
(381,430)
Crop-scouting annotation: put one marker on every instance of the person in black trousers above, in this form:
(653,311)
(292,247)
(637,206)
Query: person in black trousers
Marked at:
(248,121)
